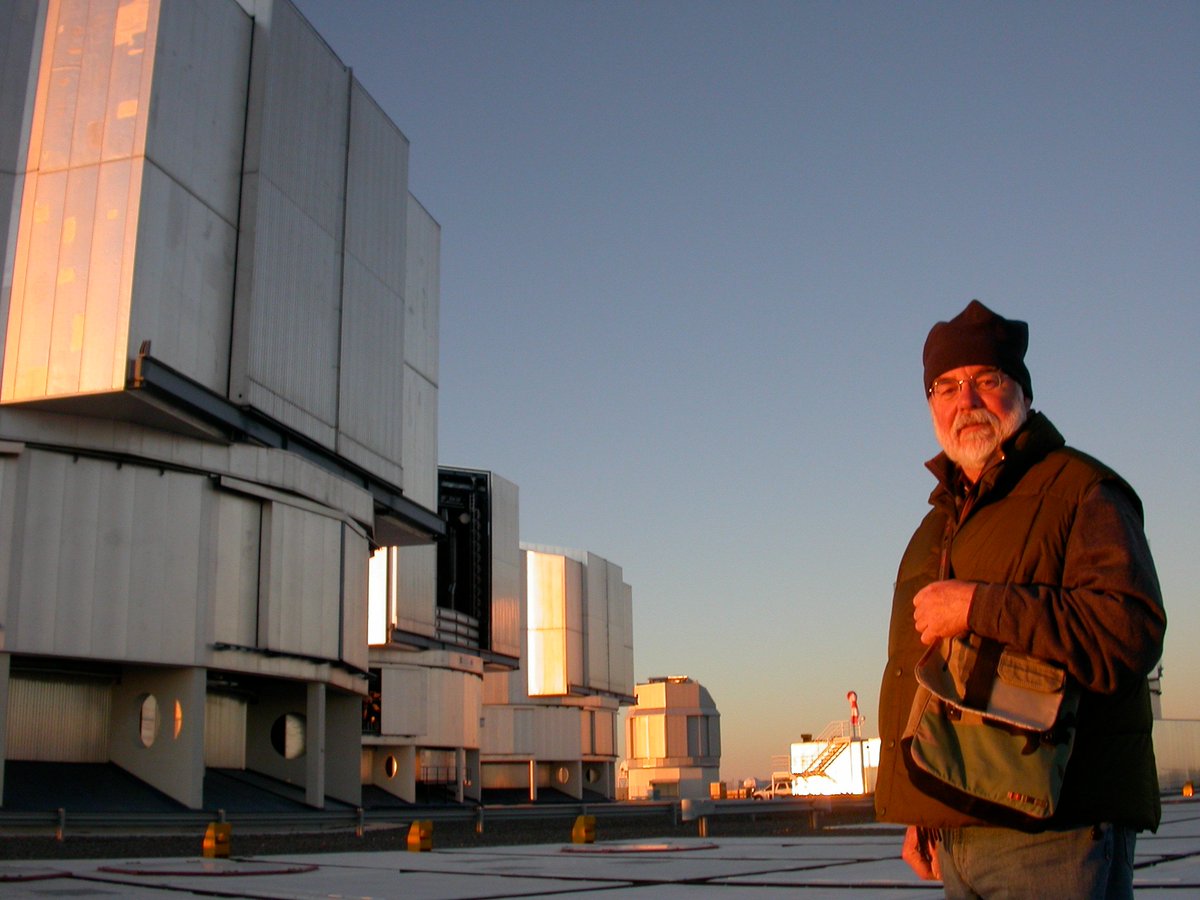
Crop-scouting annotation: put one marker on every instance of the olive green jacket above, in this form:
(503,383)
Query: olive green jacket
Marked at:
(1055,544)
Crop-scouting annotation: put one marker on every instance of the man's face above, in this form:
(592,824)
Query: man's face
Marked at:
(971,424)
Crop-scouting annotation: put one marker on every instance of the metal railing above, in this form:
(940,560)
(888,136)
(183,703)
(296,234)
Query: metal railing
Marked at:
(668,812)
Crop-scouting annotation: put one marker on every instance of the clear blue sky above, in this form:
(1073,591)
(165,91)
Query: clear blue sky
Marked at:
(690,253)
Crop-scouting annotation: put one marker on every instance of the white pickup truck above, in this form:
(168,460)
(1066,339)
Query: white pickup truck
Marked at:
(780,786)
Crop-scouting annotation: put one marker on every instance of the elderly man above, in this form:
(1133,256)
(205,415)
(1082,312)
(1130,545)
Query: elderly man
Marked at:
(1040,548)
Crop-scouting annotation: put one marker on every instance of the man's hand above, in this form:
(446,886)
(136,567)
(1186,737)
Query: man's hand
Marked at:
(940,609)
(921,856)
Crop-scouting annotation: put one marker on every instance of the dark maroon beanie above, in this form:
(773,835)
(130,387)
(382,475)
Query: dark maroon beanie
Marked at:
(978,337)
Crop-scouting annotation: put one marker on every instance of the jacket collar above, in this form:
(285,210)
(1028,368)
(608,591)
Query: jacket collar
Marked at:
(1032,442)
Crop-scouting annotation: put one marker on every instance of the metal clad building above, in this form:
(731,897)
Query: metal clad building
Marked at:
(225,541)
(218,390)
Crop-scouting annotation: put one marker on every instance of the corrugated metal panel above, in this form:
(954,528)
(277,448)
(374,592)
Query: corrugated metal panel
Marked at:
(69,309)
(506,568)
(605,735)
(183,282)
(301,582)
(371,374)
(404,700)
(297,122)
(18,72)
(376,191)
(557,732)
(235,538)
(576,636)
(165,569)
(289,281)
(416,594)
(201,73)
(524,730)
(458,699)
(548,644)
(373,316)
(58,720)
(126,589)
(422,291)
(285,347)
(620,632)
(420,410)
(497,733)
(354,598)
(596,623)
(224,732)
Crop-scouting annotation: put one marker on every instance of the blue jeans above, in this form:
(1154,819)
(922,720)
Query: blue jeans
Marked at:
(1093,863)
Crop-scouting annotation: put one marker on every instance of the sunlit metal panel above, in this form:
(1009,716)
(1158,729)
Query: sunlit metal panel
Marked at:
(576,599)
(71,292)
(380,590)
(546,605)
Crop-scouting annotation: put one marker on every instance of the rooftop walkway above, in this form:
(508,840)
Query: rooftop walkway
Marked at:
(834,864)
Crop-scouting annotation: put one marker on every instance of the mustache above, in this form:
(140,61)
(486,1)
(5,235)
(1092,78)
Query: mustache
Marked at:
(974,417)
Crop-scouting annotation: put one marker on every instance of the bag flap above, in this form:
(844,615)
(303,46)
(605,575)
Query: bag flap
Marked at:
(1026,692)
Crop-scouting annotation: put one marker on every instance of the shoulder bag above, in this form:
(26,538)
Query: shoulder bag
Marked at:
(991,730)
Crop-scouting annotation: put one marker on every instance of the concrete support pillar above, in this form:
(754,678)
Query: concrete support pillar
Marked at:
(156,730)
(574,785)
(314,762)
(343,746)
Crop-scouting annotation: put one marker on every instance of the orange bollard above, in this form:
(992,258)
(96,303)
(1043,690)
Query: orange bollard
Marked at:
(584,830)
(420,835)
(216,840)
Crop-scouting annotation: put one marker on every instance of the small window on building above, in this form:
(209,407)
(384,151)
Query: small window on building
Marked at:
(148,723)
(287,735)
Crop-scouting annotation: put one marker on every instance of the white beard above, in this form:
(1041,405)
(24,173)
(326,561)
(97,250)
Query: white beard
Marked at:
(976,448)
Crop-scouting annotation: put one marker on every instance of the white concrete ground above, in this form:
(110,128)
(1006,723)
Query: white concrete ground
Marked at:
(833,865)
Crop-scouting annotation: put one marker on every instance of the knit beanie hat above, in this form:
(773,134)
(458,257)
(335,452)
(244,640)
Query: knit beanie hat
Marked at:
(978,337)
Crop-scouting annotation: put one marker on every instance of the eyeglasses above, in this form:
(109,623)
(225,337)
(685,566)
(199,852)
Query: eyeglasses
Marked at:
(983,382)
